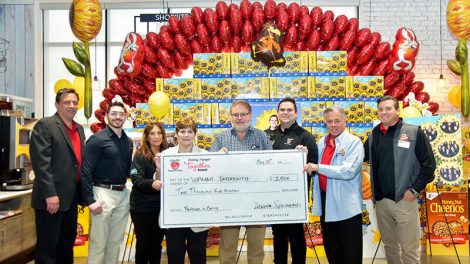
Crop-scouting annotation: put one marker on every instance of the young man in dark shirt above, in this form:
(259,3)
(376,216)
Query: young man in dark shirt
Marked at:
(289,136)
(106,167)
(402,163)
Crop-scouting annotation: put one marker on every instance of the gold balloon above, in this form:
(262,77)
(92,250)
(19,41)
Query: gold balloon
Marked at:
(159,104)
(454,96)
(62,83)
(85,19)
(79,87)
(410,112)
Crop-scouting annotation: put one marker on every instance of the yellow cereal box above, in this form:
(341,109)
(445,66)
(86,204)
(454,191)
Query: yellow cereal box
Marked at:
(294,86)
(250,87)
(211,65)
(242,65)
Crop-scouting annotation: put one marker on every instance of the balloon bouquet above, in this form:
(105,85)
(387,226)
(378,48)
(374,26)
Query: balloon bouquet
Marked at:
(233,28)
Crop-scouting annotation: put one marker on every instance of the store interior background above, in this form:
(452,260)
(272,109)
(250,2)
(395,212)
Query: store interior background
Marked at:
(39,36)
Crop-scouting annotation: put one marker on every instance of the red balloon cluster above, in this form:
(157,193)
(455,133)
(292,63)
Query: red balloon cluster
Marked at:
(232,28)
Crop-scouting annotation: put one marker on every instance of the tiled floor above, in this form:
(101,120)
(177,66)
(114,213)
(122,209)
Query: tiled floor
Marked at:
(269,259)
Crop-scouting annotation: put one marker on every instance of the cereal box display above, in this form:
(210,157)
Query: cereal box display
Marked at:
(455,222)
(371,112)
(221,113)
(211,65)
(319,132)
(242,65)
(206,136)
(361,132)
(178,88)
(324,62)
(312,111)
(142,115)
(327,86)
(296,64)
(354,110)
(215,88)
(366,86)
(199,112)
(250,87)
(294,86)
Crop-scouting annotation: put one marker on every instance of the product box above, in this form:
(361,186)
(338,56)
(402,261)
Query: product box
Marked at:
(221,113)
(312,111)
(242,65)
(199,112)
(250,88)
(319,132)
(371,112)
(366,86)
(361,132)
(327,86)
(325,62)
(296,64)
(447,215)
(211,65)
(293,86)
(215,88)
(354,110)
(206,136)
(178,88)
(142,115)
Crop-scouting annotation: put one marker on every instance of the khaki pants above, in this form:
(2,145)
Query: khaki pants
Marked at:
(229,243)
(107,228)
(399,226)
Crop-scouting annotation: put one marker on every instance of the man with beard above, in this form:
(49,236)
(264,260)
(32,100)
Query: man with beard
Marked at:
(56,155)
(290,135)
(241,137)
(106,167)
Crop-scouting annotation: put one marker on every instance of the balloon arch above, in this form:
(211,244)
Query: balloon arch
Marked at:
(232,28)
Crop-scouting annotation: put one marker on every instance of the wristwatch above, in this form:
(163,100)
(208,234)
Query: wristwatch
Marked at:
(414,192)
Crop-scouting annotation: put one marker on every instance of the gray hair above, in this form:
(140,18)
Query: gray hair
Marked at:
(335,108)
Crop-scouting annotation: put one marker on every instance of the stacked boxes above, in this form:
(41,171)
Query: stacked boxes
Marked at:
(199,112)
(178,88)
(354,110)
(142,116)
(324,62)
(221,113)
(243,65)
(366,86)
(327,86)
(296,64)
(207,65)
(319,132)
(361,132)
(206,136)
(296,86)
(215,88)
(371,112)
(312,111)
(250,88)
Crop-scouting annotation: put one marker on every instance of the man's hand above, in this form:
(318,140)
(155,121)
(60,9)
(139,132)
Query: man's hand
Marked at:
(224,150)
(96,208)
(157,185)
(52,204)
(302,148)
(408,196)
(310,167)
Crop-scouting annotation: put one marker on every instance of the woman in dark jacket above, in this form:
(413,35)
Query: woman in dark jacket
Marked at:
(145,195)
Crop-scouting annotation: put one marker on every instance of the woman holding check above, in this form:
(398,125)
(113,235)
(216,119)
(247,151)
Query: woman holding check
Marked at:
(180,240)
(145,195)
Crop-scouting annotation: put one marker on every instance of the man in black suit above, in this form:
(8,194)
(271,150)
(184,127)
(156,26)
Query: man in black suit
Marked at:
(56,155)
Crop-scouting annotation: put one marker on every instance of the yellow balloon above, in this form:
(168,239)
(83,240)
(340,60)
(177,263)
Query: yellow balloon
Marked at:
(79,87)
(62,83)
(454,96)
(159,104)
(410,112)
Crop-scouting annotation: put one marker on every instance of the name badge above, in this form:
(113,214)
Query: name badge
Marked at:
(403,144)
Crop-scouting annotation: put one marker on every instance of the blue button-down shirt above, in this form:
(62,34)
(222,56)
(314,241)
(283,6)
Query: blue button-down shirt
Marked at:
(344,187)
(254,139)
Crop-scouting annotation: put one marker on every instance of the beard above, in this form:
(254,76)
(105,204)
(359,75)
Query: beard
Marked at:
(241,127)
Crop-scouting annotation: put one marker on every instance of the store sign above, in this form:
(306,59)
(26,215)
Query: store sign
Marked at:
(160,17)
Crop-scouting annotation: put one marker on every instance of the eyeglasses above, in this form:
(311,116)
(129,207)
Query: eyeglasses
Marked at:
(121,114)
(240,115)
(334,122)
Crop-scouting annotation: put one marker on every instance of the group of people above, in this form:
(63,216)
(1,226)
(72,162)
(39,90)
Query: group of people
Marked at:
(70,172)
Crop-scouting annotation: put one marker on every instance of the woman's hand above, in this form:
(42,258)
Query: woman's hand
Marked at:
(157,160)
(157,185)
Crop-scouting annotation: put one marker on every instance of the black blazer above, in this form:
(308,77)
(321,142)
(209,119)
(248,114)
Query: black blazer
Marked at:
(54,162)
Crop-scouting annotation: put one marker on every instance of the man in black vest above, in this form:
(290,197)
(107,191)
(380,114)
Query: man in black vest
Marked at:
(56,155)
(402,163)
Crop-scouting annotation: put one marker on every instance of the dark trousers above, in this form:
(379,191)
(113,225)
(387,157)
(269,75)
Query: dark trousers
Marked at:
(148,248)
(342,239)
(178,240)
(56,235)
(283,234)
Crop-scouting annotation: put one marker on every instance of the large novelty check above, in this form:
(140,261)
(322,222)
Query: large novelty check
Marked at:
(237,188)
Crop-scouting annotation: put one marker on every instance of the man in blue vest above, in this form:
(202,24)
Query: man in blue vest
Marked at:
(402,163)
